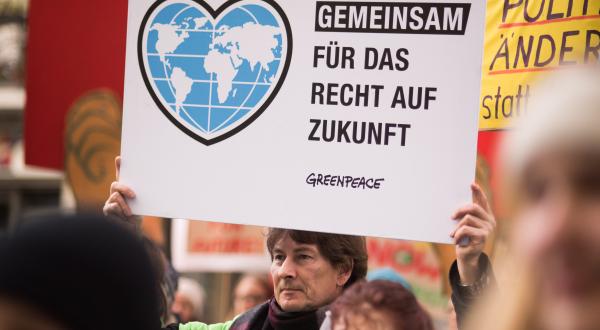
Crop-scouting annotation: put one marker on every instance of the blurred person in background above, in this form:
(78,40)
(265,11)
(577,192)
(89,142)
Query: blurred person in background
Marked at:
(189,301)
(378,305)
(389,274)
(76,272)
(251,290)
(552,167)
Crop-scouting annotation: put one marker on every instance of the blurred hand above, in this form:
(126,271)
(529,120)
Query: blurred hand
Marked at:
(116,205)
(475,225)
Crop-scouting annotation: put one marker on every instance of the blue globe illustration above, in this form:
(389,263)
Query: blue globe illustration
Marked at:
(212,73)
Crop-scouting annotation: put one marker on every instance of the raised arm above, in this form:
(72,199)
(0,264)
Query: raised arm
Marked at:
(472,271)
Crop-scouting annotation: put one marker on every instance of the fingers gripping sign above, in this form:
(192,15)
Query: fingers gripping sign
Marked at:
(475,225)
(116,205)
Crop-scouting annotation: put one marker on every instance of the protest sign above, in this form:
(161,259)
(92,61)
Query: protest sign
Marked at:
(523,40)
(218,247)
(419,264)
(347,117)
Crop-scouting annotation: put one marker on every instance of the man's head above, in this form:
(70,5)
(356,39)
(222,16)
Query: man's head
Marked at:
(311,269)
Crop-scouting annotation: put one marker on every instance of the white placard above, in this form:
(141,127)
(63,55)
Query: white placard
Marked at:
(236,252)
(229,118)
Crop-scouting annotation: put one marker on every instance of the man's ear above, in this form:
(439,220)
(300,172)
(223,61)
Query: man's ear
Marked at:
(344,274)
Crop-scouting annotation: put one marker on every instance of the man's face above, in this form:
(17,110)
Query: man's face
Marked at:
(558,232)
(303,279)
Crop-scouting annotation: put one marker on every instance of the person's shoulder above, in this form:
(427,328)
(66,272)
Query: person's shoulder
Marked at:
(244,317)
(258,312)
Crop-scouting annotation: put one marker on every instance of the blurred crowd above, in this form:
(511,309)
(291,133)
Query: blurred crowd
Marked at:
(100,272)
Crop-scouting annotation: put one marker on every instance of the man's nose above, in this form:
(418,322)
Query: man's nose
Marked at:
(288,269)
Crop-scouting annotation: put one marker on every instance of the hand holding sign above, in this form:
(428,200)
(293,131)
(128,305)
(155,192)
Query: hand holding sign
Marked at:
(472,231)
(116,205)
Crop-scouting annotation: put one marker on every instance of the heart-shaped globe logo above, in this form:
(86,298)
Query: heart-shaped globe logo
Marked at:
(213,72)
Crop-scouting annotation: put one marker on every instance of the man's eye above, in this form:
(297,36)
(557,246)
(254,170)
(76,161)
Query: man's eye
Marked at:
(278,257)
(305,257)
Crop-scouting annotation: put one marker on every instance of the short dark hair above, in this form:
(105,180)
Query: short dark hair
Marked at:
(389,298)
(342,251)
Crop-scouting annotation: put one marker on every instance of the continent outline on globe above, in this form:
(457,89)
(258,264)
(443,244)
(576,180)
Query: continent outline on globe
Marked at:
(215,16)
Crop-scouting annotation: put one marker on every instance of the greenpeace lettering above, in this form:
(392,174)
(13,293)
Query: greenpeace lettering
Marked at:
(389,17)
(343,181)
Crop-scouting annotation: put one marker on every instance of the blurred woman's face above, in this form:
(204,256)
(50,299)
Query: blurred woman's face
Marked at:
(558,233)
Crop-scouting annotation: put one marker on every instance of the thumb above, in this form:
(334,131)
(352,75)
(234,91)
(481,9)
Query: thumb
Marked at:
(118,166)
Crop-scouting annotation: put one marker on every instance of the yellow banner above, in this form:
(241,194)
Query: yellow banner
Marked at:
(524,39)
